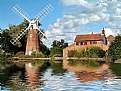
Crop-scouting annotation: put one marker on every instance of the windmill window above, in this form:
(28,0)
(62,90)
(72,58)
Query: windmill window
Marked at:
(32,26)
(30,35)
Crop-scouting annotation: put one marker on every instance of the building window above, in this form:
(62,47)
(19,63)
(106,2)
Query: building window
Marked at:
(85,43)
(77,43)
(90,42)
(95,42)
(81,43)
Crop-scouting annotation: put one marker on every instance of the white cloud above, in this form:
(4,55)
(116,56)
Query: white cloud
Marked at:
(74,2)
(108,32)
(114,0)
(67,27)
(94,18)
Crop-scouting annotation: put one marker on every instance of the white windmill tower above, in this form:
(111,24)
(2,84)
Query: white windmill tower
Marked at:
(34,34)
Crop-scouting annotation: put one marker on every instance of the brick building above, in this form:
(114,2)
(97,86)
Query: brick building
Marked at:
(88,40)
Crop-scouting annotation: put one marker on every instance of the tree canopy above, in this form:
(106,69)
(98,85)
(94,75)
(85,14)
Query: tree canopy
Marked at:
(5,41)
(12,33)
(114,50)
(57,47)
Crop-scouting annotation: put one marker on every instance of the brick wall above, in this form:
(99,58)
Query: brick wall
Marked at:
(32,42)
(77,47)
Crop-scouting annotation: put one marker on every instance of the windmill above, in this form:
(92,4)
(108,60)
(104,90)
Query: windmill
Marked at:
(33,31)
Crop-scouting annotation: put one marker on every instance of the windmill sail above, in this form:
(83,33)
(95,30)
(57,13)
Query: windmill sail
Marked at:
(44,12)
(41,34)
(19,36)
(21,13)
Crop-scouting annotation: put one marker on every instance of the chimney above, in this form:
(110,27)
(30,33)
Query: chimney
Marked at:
(103,31)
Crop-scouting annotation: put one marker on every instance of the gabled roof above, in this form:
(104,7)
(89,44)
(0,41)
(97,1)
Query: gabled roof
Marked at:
(110,38)
(89,37)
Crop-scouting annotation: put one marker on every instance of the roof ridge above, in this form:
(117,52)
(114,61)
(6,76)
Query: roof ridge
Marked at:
(89,34)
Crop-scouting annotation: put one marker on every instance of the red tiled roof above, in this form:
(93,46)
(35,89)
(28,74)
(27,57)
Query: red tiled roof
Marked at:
(88,37)
(110,38)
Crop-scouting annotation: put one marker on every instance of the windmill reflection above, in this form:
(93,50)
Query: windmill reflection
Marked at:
(34,75)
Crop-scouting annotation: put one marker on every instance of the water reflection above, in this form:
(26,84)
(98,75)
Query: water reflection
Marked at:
(24,76)
(90,73)
(57,68)
(61,76)
(33,76)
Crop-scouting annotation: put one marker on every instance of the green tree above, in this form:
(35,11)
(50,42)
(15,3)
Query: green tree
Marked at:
(44,49)
(114,50)
(12,33)
(57,47)
(5,42)
(37,55)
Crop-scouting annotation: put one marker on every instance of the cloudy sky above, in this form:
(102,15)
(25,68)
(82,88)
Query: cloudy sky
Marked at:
(69,17)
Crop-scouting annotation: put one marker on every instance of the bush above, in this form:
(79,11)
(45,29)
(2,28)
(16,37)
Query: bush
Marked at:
(37,55)
(19,54)
(82,53)
(2,53)
(4,59)
(95,52)
(73,53)
(57,55)
(56,50)
(92,52)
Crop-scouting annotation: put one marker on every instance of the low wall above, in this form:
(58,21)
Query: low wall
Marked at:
(77,47)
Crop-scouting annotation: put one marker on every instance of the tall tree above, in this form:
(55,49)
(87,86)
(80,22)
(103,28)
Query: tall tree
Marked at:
(44,49)
(12,33)
(5,42)
(57,47)
(114,50)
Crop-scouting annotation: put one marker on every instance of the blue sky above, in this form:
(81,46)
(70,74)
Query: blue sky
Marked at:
(31,7)
(69,17)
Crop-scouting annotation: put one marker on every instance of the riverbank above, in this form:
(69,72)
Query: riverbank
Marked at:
(17,59)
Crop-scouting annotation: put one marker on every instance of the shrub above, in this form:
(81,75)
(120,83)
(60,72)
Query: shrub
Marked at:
(92,52)
(57,55)
(4,59)
(37,55)
(95,52)
(82,53)
(19,54)
(73,53)
(2,53)
(56,50)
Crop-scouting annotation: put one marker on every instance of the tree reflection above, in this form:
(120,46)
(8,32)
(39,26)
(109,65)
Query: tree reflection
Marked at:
(88,73)
(23,76)
(57,68)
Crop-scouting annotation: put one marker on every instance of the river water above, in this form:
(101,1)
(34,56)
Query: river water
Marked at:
(60,76)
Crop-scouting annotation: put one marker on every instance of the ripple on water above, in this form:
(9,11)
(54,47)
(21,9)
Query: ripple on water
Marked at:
(33,80)
(69,83)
